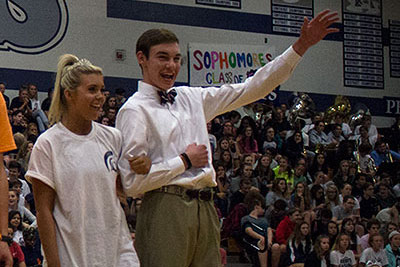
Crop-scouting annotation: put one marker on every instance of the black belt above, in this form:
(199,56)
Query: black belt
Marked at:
(204,194)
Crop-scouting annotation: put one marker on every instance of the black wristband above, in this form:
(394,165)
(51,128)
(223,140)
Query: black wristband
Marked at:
(188,162)
(6,239)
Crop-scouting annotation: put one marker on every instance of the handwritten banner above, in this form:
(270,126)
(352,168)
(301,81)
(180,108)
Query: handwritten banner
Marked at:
(217,64)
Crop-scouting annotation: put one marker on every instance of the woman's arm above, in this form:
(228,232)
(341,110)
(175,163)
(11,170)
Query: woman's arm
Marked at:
(44,198)
(31,218)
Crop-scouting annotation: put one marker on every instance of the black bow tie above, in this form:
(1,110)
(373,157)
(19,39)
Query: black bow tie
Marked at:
(167,97)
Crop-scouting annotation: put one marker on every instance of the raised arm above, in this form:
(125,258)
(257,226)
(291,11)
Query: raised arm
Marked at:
(232,96)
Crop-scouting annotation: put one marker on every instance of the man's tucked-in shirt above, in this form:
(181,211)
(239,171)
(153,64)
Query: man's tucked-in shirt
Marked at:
(163,132)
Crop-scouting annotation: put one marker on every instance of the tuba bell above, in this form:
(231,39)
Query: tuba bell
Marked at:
(302,108)
(341,105)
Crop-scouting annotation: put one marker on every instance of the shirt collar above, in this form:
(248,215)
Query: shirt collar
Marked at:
(149,90)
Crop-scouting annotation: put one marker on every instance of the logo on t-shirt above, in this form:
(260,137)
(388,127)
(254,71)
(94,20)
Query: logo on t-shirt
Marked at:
(346,262)
(109,161)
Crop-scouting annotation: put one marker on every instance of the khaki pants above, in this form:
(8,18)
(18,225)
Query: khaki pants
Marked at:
(174,231)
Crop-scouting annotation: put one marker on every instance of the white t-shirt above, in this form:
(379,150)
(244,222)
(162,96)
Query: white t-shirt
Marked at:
(91,229)
(379,258)
(342,260)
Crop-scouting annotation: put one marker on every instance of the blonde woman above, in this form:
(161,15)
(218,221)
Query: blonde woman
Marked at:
(73,170)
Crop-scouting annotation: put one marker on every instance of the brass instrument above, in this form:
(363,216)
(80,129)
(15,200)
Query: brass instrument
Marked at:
(302,108)
(371,166)
(341,105)
(356,119)
(389,155)
(262,111)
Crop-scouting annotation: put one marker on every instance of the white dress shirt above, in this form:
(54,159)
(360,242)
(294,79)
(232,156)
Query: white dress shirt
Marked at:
(163,132)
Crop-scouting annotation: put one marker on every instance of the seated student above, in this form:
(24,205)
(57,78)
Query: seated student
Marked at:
(384,196)
(16,186)
(283,170)
(335,136)
(257,234)
(345,210)
(221,197)
(364,138)
(364,160)
(366,122)
(15,222)
(332,197)
(320,225)
(374,254)
(16,251)
(276,212)
(318,136)
(333,231)
(300,174)
(285,229)
(347,190)
(278,191)
(393,249)
(31,250)
(369,205)
(298,246)
(383,154)
(264,174)
(246,172)
(387,229)
(18,122)
(15,169)
(37,112)
(238,196)
(301,199)
(349,229)
(342,256)
(319,164)
(246,142)
(359,181)
(294,147)
(13,204)
(390,214)
(269,138)
(373,227)
(21,102)
(317,197)
(319,257)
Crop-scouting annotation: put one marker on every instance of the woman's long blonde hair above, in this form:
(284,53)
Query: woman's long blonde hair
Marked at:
(69,71)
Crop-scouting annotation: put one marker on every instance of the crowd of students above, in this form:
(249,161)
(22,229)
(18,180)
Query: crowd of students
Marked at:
(300,192)
(307,183)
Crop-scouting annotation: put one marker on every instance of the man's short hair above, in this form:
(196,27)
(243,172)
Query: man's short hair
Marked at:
(11,184)
(154,37)
(347,198)
(120,91)
(254,198)
(14,165)
(15,113)
(293,211)
(372,222)
(244,182)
